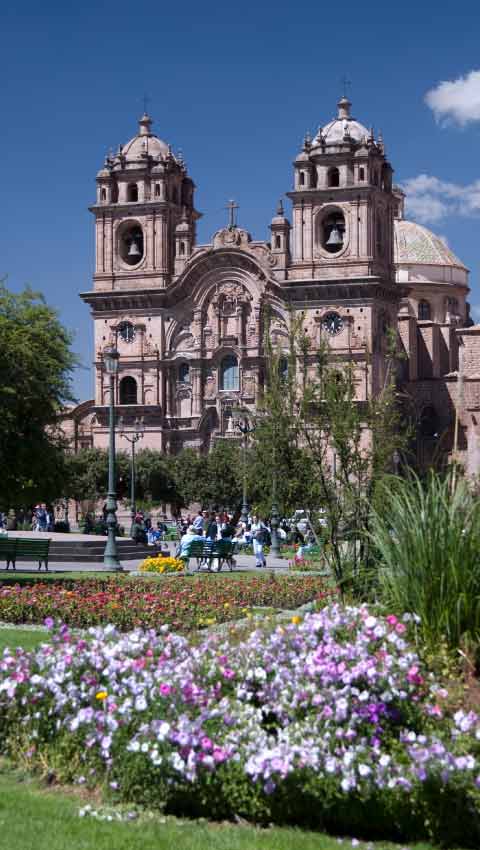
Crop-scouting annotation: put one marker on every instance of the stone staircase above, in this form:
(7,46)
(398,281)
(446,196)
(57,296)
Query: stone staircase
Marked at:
(91,551)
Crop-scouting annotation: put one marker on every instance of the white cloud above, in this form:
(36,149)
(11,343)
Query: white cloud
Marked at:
(431,200)
(456,101)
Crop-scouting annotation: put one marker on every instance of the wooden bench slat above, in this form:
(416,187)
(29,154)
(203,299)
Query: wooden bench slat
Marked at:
(19,547)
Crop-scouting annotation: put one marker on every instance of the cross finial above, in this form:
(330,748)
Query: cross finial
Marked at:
(232,219)
(346,83)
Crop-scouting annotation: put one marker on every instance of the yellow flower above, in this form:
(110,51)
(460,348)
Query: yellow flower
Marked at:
(101,695)
(296,620)
(226,604)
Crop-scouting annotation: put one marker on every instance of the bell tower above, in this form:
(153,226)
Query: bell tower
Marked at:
(143,194)
(343,202)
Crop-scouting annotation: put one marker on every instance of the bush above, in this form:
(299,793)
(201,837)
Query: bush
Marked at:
(330,723)
(62,525)
(427,539)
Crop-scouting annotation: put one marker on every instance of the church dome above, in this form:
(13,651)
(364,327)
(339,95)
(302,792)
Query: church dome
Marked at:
(416,245)
(145,142)
(342,128)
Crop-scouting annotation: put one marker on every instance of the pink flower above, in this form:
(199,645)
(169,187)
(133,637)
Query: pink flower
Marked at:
(392,620)
(400,628)
(165,689)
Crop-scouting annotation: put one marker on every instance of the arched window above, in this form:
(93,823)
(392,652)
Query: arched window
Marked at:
(229,373)
(332,232)
(182,248)
(361,174)
(104,194)
(278,241)
(302,178)
(334,177)
(132,192)
(424,313)
(157,190)
(283,368)
(184,373)
(128,391)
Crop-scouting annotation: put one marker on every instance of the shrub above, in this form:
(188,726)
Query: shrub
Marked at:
(427,537)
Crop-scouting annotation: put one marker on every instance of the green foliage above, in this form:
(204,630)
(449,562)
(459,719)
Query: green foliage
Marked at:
(86,477)
(213,480)
(427,538)
(36,365)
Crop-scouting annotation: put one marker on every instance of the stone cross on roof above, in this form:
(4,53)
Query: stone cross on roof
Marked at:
(232,219)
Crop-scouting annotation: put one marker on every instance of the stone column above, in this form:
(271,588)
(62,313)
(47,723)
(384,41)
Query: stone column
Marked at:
(149,242)
(196,391)
(298,225)
(108,243)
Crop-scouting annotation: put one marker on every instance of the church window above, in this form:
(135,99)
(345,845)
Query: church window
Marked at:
(302,178)
(157,190)
(332,232)
(229,375)
(182,248)
(278,241)
(283,368)
(132,192)
(334,177)
(104,194)
(184,373)
(424,313)
(128,391)
(361,174)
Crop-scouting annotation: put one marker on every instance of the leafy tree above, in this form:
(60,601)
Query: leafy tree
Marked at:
(155,476)
(36,364)
(86,476)
(214,480)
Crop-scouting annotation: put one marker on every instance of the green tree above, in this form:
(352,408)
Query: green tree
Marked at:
(86,475)
(36,364)
(155,477)
(213,479)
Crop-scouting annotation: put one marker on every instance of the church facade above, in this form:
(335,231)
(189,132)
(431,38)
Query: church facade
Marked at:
(188,319)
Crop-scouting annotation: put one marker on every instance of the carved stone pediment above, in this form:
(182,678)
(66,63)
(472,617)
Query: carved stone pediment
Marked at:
(231,236)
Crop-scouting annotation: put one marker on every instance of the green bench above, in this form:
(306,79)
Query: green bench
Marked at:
(207,552)
(13,548)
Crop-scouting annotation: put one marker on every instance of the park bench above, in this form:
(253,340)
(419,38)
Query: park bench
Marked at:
(13,548)
(207,552)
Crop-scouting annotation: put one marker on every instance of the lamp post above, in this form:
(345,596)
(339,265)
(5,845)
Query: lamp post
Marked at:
(133,437)
(110,556)
(245,428)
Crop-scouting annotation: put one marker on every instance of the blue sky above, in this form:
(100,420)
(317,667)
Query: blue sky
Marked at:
(235,86)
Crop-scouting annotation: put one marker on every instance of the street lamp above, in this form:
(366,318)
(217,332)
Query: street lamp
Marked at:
(133,437)
(110,556)
(245,428)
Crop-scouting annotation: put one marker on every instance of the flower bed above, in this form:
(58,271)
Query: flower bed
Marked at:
(329,722)
(128,603)
(161,565)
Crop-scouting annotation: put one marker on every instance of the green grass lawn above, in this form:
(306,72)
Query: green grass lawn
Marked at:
(34,818)
(26,638)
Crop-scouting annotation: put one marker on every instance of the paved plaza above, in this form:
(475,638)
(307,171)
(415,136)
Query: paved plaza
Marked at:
(244,562)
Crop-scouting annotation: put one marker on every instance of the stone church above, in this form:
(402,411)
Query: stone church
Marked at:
(188,319)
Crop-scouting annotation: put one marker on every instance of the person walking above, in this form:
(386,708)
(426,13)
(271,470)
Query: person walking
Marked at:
(259,534)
